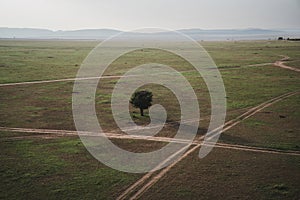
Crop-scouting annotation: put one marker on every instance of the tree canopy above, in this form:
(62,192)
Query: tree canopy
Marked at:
(142,100)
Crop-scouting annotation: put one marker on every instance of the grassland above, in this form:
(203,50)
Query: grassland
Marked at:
(62,168)
(57,168)
(275,127)
(229,174)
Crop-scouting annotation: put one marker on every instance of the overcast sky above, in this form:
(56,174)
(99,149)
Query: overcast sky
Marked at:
(133,14)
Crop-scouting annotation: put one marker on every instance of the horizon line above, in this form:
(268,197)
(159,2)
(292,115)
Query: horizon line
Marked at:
(153,28)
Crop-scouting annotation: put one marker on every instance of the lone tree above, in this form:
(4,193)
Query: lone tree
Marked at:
(142,100)
(280,38)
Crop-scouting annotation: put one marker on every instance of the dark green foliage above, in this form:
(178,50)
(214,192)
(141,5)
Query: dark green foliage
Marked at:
(142,100)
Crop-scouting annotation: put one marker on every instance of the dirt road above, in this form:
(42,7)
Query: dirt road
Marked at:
(279,63)
(72,79)
(141,186)
(149,179)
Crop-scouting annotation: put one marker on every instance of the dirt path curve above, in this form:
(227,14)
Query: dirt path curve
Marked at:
(137,189)
(281,63)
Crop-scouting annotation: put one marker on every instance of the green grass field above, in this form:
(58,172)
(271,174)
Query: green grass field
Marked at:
(276,127)
(33,166)
(230,174)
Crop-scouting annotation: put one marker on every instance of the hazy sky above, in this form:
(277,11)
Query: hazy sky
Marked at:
(132,14)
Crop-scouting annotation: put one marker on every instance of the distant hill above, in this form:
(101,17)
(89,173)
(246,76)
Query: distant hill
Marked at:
(30,33)
(239,34)
(101,34)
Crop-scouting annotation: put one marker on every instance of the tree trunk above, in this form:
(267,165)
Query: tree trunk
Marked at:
(142,111)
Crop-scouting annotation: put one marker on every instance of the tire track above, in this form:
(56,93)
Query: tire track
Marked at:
(60,133)
(249,113)
(50,134)
(279,63)
(158,176)
(197,144)
(112,134)
(256,149)
(134,193)
(76,79)
(57,80)
(148,175)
